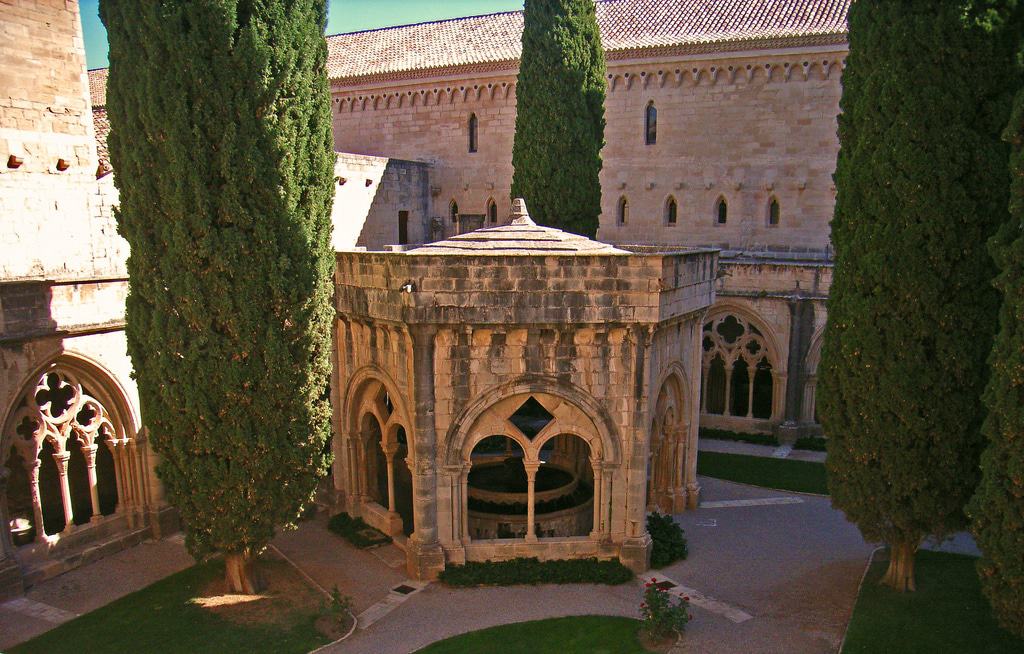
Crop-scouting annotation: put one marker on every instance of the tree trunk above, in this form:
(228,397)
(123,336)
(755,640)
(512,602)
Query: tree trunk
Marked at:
(900,574)
(238,570)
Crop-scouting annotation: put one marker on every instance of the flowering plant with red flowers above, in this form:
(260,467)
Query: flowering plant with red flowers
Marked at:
(663,617)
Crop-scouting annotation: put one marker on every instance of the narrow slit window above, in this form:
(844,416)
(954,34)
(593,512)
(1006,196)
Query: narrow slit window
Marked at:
(623,216)
(492,211)
(773,212)
(472,133)
(453,211)
(651,124)
(671,212)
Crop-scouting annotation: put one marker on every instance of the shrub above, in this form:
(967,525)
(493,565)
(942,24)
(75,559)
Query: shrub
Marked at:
(357,532)
(726,435)
(669,542)
(813,443)
(534,571)
(661,616)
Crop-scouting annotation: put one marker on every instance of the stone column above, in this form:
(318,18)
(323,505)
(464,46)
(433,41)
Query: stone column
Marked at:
(692,433)
(10,573)
(635,552)
(89,452)
(65,488)
(389,456)
(598,468)
(37,502)
(801,330)
(464,501)
(728,390)
(424,556)
(531,477)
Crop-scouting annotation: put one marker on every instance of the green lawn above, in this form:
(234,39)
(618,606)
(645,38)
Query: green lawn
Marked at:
(781,474)
(591,634)
(947,613)
(161,618)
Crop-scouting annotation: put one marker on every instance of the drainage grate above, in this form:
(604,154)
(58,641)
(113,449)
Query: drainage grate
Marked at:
(403,589)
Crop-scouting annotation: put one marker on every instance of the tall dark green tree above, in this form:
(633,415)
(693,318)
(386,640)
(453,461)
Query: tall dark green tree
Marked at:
(556,155)
(997,510)
(222,149)
(922,184)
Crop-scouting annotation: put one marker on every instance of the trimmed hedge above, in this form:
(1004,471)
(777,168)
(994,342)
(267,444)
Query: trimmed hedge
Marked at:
(533,571)
(357,532)
(669,542)
(727,435)
(812,443)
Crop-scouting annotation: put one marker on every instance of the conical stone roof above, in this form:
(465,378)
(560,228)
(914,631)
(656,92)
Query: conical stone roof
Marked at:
(521,237)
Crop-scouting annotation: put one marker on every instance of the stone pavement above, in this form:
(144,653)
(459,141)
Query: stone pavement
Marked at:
(793,567)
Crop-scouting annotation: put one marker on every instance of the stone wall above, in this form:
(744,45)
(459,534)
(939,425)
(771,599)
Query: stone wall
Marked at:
(369,196)
(746,127)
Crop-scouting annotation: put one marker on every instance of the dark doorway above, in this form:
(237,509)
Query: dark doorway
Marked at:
(403,227)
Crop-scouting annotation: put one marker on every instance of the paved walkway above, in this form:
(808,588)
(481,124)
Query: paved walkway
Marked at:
(792,566)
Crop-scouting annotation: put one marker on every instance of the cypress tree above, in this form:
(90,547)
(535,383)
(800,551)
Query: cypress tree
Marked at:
(922,184)
(556,154)
(222,148)
(997,510)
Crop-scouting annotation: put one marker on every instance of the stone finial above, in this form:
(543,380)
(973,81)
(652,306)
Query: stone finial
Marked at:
(520,216)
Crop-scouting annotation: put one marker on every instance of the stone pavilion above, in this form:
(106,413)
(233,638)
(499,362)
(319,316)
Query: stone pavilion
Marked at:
(518,391)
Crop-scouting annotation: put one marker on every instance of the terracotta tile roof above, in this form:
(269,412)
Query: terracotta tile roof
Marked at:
(98,87)
(627,26)
(101,124)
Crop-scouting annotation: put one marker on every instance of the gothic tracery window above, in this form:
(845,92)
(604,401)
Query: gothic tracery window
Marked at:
(738,377)
(67,458)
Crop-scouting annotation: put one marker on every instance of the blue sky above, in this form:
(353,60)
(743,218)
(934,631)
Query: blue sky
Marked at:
(345,16)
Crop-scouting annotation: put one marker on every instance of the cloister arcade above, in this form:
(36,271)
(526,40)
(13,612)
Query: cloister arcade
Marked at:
(739,369)
(74,464)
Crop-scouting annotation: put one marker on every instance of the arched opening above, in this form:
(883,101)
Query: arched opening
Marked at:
(738,368)
(623,212)
(763,390)
(67,450)
(651,124)
(498,490)
(773,212)
(492,211)
(714,385)
(50,492)
(472,133)
(564,510)
(671,211)
(453,212)
(403,481)
(740,391)
(375,459)
(721,211)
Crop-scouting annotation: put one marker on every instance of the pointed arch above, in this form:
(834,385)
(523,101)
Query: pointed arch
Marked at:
(492,211)
(721,211)
(671,211)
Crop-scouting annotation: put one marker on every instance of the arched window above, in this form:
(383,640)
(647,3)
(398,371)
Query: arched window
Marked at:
(738,369)
(492,211)
(453,211)
(651,124)
(68,454)
(472,132)
(623,215)
(773,212)
(671,211)
(721,211)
